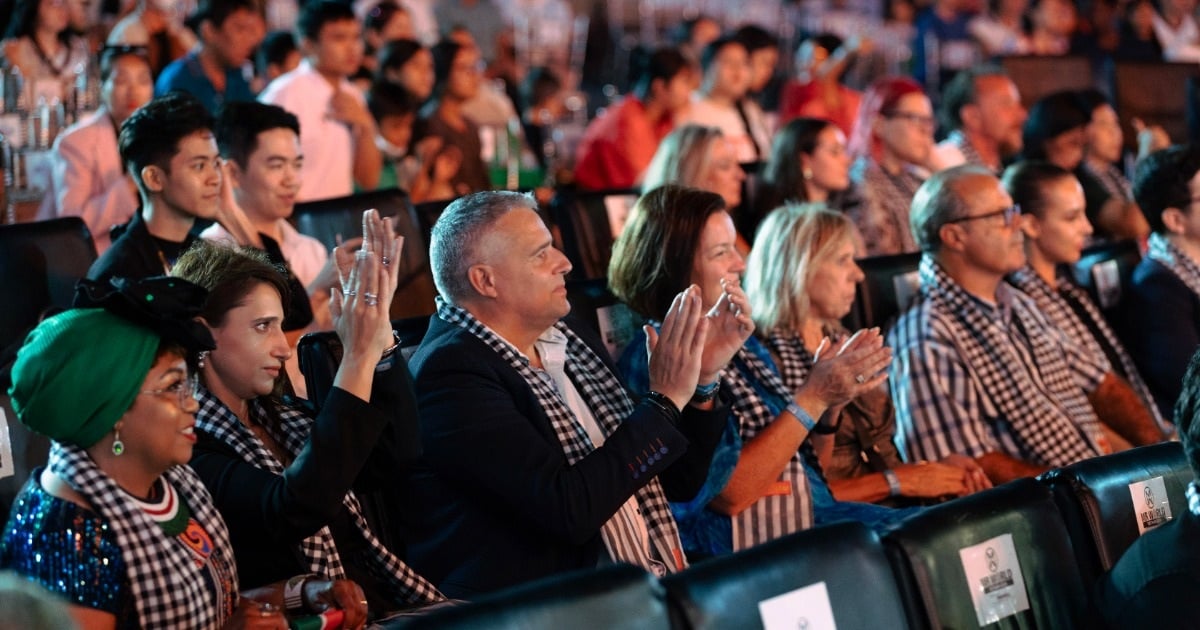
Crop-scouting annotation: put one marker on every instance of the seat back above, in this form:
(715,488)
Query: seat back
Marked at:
(1038,75)
(617,596)
(889,285)
(589,222)
(592,303)
(1108,502)
(1105,271)
(320,354)
(428,214)
(999,558)
(21,450)
(837,572)
(1154,93)
(40,263)
(327,220)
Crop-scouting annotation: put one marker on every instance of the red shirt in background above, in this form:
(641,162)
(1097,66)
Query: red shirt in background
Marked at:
(618,146)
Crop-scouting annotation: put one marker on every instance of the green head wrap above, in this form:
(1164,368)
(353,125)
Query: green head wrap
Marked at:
(78,373)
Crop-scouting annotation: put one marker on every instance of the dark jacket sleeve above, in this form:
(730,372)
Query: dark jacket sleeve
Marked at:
(703,429)
(1162,327)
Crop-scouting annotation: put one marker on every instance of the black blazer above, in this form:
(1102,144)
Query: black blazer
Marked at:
(493,501)
(1161,328)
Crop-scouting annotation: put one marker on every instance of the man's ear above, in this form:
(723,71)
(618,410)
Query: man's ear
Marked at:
(952,236)
(235,173)
(971,116)
(154,178)
(483,280)
(1173,219)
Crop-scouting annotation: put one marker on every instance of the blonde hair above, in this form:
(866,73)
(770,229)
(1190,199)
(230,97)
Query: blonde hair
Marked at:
(683,158)
(792,242)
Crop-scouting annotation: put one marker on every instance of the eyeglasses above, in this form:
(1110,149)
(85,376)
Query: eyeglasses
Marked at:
(184,389)
(916,119)
(1010,213)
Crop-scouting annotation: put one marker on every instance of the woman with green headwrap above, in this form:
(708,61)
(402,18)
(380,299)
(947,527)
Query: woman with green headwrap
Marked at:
(116,523)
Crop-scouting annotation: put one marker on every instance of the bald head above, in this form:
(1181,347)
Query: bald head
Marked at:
(941,199)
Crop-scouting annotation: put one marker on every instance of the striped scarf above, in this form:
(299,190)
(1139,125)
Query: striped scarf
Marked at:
(1171,257)
(610,405)
(166,580)
(291,431)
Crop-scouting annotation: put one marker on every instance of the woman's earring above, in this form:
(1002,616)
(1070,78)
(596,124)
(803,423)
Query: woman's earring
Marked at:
(200,359)
(807,174)
(118,446)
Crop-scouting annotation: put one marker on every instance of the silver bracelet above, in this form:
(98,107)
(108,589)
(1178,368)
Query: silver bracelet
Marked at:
(893,482)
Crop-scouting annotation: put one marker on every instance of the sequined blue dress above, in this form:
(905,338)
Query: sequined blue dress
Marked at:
(68,549)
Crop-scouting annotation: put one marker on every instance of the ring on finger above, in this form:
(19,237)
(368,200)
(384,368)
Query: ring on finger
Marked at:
(371,299)
(386,261)
(266,609)
(860,379)
(350,292)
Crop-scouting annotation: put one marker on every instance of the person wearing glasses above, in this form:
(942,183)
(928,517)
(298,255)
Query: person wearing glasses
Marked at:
(979,369)
(290,480)
(117,524)
(892,142)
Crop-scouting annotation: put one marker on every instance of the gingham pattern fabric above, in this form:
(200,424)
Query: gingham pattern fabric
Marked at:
(959,139)
(1179,263)
(1010,368)
(290,429)
(882,217)
(1193,498)
(1056,303)
(610,405)
(775,514)
(792,358)
(1112,180)
(167,584)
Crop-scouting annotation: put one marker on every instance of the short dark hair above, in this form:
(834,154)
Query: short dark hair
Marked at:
(963,90)
(652,259)
(444,53)
(1026,183)
(664,63)
(540,84)
(390,99)
(239,124)
(1161,182)
(110,54)
(151,135)
(1051,116)
(381,13)
(1091,99)
(215,12)
(274,49)
(316,14)
(715,47)
(755,37)
(782,173)
(394,55)
(1187,406)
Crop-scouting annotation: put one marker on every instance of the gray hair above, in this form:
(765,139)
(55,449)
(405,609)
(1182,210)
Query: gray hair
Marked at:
(937,202)
(456,235)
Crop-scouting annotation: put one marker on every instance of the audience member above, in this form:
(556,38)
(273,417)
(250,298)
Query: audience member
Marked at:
(982,109)
(276,55)
(386,21)
(339,133)
(618,145)
(763,48)
(1056,130)
(458,79)
(30,606)
(1056,230)
(721,101)
(699,157)
(214,71)
(529,437)
(1177,32)
(693,35)
(764,481)
(1110,206)
(40,43)
(1138,40)
(494,103)
(89,178)
(407,63)
(1001,29)
(892,142)
(1162,305)
(1052,25)
(482,19)
(117,523)
(801,281)
(809,162)
(1154,577)
(979,369)
(424,170)
(158,29)
(287,479)
(943,44)
(542,106)
(818,90)
(168,149)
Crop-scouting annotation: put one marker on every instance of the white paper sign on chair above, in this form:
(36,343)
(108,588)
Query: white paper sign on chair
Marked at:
(805,608)
(994,579)
(1151,507)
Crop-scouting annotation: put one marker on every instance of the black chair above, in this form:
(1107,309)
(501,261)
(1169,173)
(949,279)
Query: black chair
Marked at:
(327,220)
(588,223)
(1037,75)
(932,551)
(592,303)
(428,214)
(617,596)
(1096,500)
(320,354)
(1155,93)
(846,560)
(889,285)
(1105,271)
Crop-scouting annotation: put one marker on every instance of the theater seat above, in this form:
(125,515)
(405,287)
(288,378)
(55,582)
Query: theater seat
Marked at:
(589,222)
(617,596)
(844,561)
(1105,272)
(1096,499)
(320,354)
(593,303)
(888,287)
(1006,547)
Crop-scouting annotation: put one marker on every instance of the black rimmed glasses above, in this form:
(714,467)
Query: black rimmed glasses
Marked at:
(183,389)
(1010,214)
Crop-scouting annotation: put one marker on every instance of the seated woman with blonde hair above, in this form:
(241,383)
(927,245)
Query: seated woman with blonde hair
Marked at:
(800,280)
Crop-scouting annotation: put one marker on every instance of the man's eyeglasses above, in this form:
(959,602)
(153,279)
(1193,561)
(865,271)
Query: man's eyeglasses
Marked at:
(184,389)
(910,117)
(1010,214)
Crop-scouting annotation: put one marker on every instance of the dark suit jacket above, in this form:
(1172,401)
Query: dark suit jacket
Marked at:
(493,501)
(1152,583)
(353,445)
(1161,328)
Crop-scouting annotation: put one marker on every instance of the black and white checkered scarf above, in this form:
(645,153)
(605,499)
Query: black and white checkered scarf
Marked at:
(959,139)
(290,429)
(610,405)
(1053,302)
(1041,399)
(776,514)
(168,585)
(1180,264)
